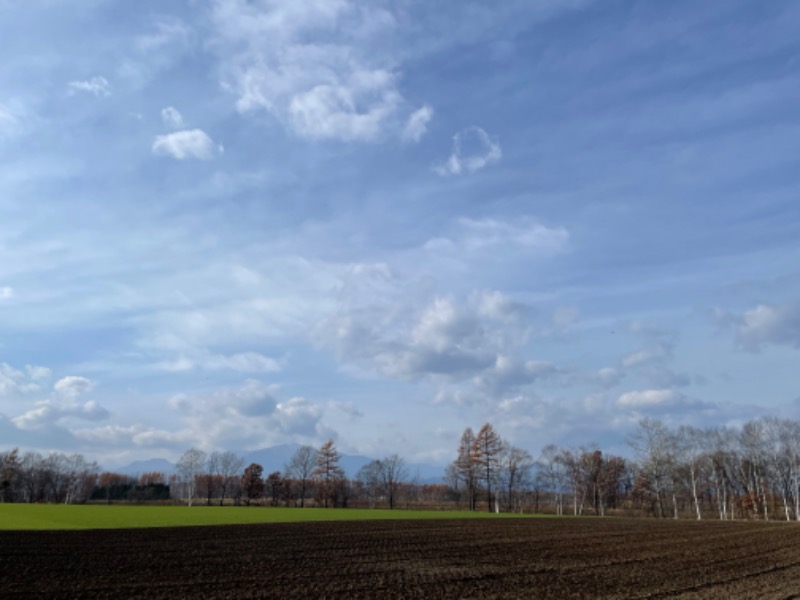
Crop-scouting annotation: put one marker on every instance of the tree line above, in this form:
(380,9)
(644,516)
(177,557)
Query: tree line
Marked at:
(727,473)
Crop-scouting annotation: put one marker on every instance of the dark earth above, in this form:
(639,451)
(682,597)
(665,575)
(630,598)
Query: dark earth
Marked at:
(503,558)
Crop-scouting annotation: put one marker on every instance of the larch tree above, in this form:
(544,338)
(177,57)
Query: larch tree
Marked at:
(464,469)
(328,471)
(486,451)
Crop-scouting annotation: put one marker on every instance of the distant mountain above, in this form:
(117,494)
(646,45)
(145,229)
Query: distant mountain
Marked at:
(153,465)
(275,458)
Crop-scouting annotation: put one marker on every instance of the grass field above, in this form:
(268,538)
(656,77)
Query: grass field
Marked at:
(59,516)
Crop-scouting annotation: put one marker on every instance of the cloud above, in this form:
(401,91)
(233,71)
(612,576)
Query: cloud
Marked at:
(6,292)
(73,386)
(243,362)
(97,86)
(172,117)
(417,124)
(16,381)
(447,340)
(607,377)
(247,415)
(9,123)
(769,324)
(310,65)
(187,144)
(647,398)
(49,414)
(473,149)
(665,401)
(487,237)
(167,31)
(337,111)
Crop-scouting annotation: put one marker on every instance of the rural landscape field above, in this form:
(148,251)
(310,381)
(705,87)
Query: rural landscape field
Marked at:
(449,558)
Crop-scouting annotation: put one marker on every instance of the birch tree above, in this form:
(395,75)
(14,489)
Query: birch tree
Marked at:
(189,466)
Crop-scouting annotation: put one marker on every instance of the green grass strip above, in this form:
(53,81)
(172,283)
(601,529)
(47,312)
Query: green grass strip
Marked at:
(59,516)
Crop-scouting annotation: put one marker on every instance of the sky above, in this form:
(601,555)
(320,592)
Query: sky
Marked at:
(231,224)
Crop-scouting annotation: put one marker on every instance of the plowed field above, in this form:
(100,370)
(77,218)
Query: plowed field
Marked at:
(536,558)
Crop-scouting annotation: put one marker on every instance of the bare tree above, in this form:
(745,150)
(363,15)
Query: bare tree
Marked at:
(301,468)
(651,443)
(516,465)
(369,477)
(10,464)
(274,486)
(393,472)
(551,469)
(189,466)
(253,483)
(228,467)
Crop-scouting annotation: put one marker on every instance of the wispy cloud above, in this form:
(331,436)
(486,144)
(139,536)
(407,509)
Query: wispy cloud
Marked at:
(473,149)
(308,65)
(97,86)
(417,124)
(172,117)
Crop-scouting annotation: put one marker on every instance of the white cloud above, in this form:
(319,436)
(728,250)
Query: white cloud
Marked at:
(243,362)
(16,381)
(607,377)
(97,86)
(473,149)
(73,386)
(167,31)
(247,415)
(187,144)
(777,324)
(445,339)
(172,117)
(308,63)
(485,237)
(342,111)
(48,414)
(9,123)
(417,124)
(647,398)
(6,292)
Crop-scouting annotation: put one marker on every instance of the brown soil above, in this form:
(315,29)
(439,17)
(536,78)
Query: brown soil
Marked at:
(537,558)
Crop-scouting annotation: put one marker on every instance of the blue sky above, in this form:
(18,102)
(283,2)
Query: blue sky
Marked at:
(234,224)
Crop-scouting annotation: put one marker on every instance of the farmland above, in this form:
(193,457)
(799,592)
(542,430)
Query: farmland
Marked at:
(538,558)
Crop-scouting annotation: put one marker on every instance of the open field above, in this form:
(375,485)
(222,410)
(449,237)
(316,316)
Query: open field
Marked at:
(60,516)
(489,558)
